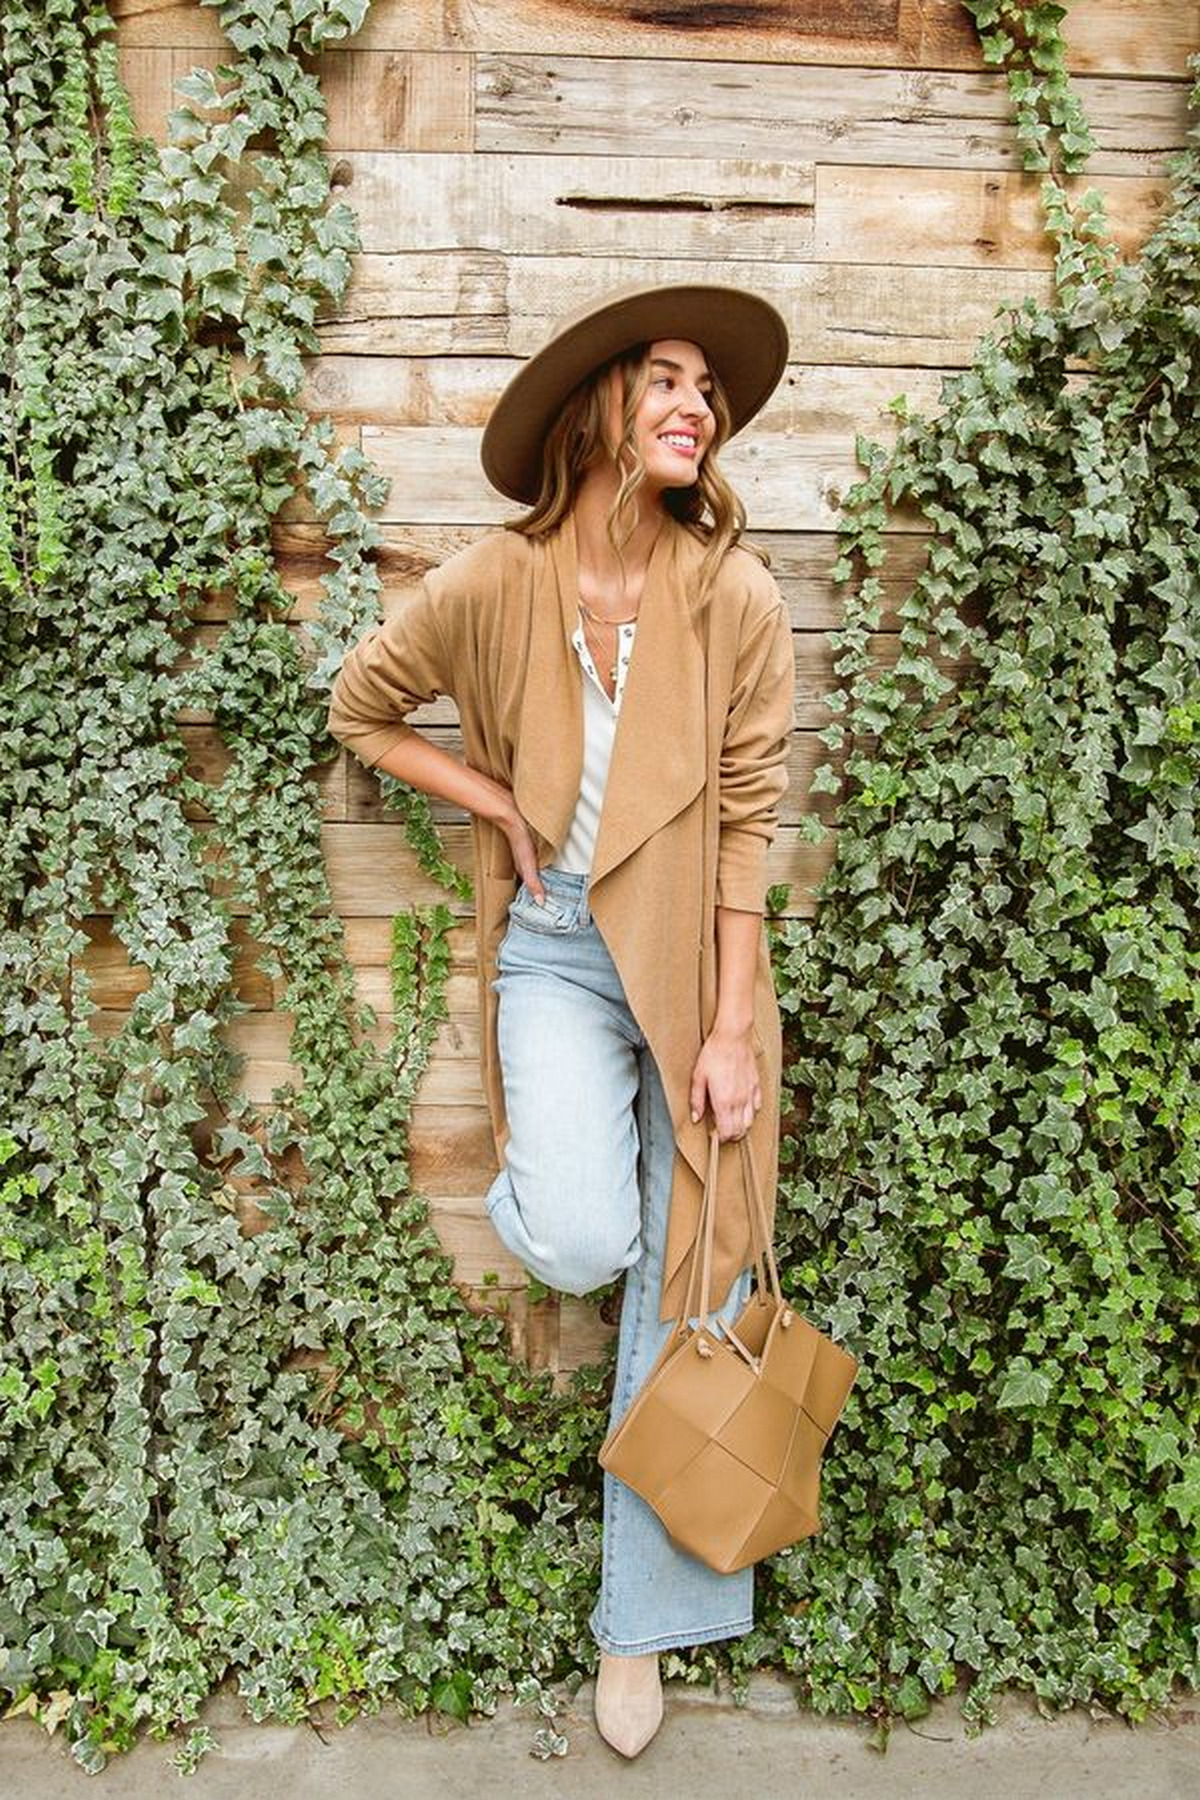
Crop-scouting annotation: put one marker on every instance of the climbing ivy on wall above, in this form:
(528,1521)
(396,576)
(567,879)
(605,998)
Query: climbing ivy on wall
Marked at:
(294,1457)
(297,1457)
(994,1168)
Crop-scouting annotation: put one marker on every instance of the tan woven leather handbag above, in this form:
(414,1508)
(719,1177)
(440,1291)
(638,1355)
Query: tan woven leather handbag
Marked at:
(725,1438)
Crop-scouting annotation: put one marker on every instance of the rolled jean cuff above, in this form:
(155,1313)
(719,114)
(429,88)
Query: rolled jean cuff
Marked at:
(709,1634)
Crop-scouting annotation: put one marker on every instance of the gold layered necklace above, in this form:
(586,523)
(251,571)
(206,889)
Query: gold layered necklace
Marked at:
(593,626)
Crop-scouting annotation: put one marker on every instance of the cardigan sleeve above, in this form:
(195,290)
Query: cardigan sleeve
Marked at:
(753,765)
(398,665)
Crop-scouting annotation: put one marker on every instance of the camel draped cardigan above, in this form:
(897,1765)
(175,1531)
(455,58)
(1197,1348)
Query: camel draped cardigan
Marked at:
(697,771)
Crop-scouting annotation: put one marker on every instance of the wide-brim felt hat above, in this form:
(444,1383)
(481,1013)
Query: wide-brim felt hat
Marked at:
(742,335)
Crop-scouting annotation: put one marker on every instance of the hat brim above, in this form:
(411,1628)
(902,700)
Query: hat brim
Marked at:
(743,337)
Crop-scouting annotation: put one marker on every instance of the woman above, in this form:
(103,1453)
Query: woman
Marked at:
(624,677)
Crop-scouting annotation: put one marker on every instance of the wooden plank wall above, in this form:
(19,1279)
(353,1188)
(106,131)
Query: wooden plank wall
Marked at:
(850,159)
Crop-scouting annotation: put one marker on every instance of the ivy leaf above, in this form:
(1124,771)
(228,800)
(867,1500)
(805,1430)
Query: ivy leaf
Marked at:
(1162,1445)
(452,1695)
(1024,1386)
(1027,1265)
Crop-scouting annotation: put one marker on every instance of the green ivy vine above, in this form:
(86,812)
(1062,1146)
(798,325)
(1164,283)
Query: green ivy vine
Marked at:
(993,1176)
(1024,38)
(295,1457)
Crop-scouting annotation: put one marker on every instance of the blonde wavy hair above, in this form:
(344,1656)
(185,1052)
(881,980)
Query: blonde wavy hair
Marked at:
(580,436)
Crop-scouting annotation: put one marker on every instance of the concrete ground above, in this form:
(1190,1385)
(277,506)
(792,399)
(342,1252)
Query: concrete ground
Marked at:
(708,1749)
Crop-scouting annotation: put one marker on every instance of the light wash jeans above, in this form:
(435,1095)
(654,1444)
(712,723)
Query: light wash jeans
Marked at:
(584,1195)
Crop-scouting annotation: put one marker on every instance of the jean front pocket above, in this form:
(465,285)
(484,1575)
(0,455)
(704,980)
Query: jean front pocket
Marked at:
(552,918)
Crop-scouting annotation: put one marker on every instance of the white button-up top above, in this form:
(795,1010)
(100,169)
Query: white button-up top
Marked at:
(599,732)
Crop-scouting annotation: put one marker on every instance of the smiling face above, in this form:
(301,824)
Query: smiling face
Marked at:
(674,424)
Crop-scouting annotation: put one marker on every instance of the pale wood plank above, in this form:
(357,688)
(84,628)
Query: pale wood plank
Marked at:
(451,1149)
(801,562)
(150,73)
(263,1039)
(369,943)
(384,100)
(785,483)
(383,391)
(1152,37)
(403,557)
(372,984)
(588,205)
(405,390)
(619,106)
(401,885)
(584,1336)
(361,883)
(824,30)
(155,23)
(534,1330)
(484,304)
(961,217)
(479,1256)
(114,981)
(450,302)
(399,99)
(459,1037)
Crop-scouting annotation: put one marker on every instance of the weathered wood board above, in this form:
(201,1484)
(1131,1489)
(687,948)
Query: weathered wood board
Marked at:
(622,106)
(928,118)
(1148,37)
(715,208)
(482,303)
(730,207)
(387,391)
(961,217)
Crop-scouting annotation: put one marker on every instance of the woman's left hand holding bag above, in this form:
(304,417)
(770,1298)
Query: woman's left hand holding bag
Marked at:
(726,1076)
(726,1080)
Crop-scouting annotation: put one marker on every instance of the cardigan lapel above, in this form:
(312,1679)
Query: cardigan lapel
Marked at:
(659,754)
(549,739)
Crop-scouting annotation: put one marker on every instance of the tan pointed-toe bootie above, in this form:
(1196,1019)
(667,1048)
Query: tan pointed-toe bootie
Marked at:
(629,1701)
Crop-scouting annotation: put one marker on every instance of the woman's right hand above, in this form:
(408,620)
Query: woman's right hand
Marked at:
(434,771)
(524,853)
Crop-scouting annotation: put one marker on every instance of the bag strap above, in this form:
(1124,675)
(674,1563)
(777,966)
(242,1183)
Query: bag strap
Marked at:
(698,1300)
(760,1235)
